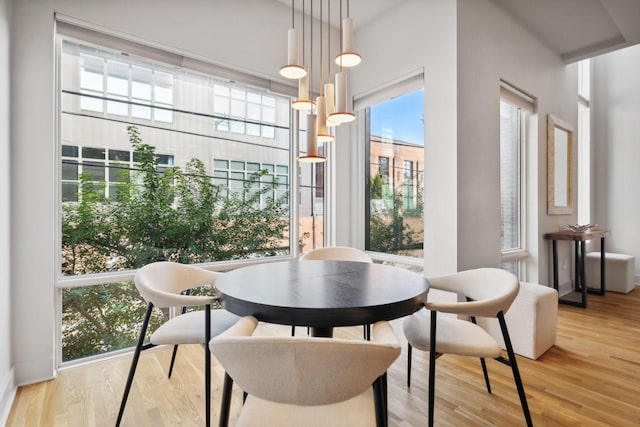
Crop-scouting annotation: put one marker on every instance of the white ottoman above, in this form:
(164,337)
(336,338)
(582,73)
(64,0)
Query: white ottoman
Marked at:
(619,271)
(531,321)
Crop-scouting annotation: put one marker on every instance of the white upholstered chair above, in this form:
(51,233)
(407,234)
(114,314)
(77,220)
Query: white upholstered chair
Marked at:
(161,284)
(488,293)
(307,381)
(338,253)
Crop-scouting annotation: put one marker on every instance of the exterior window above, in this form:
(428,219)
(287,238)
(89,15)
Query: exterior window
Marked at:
(514,113)
(395,142)
(123,89)
(162,163)
(383,168)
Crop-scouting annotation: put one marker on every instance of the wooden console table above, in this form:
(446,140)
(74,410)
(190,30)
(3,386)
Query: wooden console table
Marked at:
(578,296)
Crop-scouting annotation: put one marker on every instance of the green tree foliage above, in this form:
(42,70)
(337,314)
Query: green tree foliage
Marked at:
(388,232)
(156,214)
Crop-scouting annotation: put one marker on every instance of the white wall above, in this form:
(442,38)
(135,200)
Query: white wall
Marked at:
(200,28)
(416,36)
(7,385)
(616,113)
(491,46)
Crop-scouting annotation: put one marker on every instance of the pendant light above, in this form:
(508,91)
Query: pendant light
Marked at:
(312,155)
(341,113)
(303,102)
(347,57)
(293,70)
(321,101)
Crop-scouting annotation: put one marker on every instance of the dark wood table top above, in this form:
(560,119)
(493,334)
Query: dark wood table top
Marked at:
(322,294)
(576,235)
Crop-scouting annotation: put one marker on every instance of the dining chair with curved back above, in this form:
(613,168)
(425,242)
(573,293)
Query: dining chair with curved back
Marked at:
(486,292)
(327,382)
(338,253)
(162,285)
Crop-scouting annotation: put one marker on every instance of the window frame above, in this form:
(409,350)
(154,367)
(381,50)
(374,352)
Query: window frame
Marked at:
(85,36)
(526,107)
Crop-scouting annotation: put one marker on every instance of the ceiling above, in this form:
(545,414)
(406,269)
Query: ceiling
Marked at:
(574,29)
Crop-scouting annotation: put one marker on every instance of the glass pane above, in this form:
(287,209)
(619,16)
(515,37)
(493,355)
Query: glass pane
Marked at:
(94,169)
(91,73)
(69,151)
(69,192)
(221,164)
(395,199)
(141,83)
(120,155)
(69,169)
(509,177)
(93,153)
(103,318)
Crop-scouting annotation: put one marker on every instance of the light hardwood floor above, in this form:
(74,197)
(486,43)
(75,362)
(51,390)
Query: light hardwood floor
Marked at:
(591,377)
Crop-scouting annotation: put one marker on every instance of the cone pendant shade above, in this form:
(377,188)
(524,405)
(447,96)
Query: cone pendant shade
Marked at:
(293,69)
(312,142)
(347,57)
(341,115)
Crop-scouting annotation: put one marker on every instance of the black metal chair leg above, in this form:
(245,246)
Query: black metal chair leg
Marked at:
(225,403)
(207,362)
(514,368)
(134,362)
(432,367)
(486,374)
(366,332)
(173,360)
(293,330)
(482,361)
(379,396)
(409,352)
(175,347)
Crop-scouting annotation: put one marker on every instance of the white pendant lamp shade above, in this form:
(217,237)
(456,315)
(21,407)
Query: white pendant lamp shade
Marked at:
(303,103)
(341,115)
(347,57)
(312,142)
(329,94)
(321,112)
(293,70)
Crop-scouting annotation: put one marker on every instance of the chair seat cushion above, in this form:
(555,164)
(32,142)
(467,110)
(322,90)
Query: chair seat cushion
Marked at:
(188,328)
(355,412)
(453,335)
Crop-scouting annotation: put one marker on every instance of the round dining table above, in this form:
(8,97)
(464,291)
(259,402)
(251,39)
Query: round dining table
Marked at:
(322,294)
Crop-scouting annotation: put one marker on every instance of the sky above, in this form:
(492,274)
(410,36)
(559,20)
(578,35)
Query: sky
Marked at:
(400,118)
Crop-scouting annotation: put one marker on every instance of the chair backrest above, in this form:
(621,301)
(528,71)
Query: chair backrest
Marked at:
(160,283)
(491,289)
(304,371)
(340,253)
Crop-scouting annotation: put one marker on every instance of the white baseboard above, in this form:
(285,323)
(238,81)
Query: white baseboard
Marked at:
(7,395)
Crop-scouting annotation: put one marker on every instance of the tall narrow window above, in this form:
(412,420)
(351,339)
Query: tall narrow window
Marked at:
(584,142)
(395,144)
(515,107)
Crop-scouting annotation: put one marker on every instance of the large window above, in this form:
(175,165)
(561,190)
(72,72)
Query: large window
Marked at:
(159,162)
(395,143)
(515,109)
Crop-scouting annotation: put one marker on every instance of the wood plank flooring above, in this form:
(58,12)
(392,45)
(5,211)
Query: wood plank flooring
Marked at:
(591,377)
